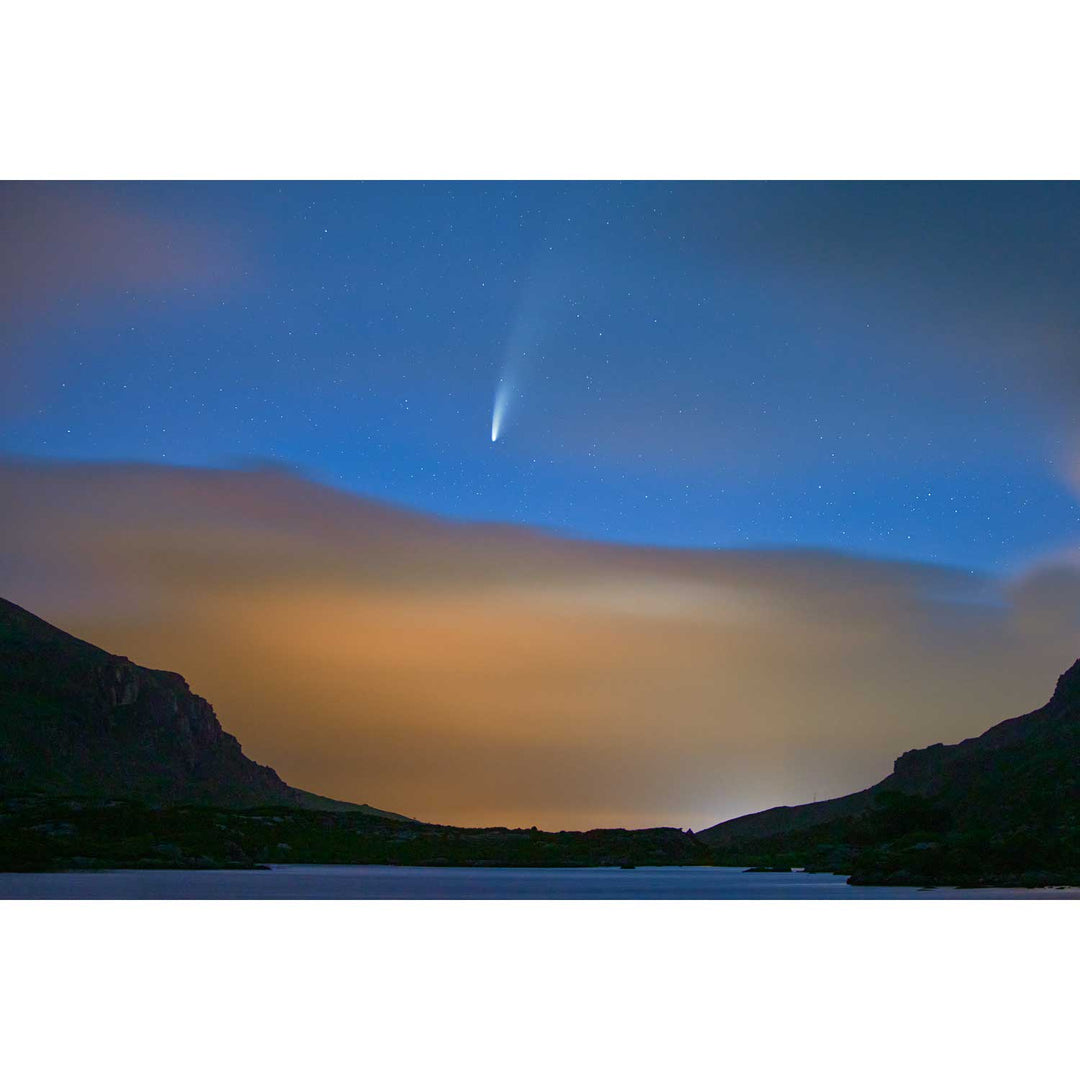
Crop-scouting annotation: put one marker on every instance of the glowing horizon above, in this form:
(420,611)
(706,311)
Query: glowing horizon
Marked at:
(492,675)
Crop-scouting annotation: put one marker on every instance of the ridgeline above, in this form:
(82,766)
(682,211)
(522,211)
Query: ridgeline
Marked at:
(104,763)
(999,809)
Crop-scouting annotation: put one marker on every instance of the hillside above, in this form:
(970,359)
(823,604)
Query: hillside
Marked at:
(999,806)
(77,720)
(104,763)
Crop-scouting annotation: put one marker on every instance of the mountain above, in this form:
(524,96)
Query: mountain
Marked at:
(104,763)
(999,806)
(77,720)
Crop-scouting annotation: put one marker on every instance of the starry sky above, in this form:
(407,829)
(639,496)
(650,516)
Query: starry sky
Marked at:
(786,483)
(887,369)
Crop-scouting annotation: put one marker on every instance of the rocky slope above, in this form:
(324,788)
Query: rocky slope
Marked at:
(75,719)
(999,806)
(104,763)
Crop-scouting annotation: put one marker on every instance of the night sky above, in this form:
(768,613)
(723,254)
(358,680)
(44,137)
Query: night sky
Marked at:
(786,480)
(888,369)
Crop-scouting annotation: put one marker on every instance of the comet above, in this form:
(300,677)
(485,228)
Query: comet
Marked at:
(523,346)
(498,411)
(506,391)
(517,360)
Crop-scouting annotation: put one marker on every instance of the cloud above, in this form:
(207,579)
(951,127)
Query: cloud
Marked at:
(59,240)
(971,283)
(68,251)
(493,675)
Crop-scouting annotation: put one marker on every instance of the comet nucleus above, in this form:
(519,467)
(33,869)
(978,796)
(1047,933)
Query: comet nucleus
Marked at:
(502,397)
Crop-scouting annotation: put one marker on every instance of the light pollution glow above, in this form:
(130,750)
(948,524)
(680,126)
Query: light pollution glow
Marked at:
(490,675)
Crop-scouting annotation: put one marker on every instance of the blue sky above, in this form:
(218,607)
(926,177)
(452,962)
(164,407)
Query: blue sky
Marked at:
(888,369)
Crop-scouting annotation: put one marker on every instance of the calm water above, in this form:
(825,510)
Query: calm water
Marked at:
(437,883)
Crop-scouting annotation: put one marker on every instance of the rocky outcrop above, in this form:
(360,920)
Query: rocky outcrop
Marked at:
(1023,772)
(76,719)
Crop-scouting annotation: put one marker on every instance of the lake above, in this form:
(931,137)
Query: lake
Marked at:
(290,882)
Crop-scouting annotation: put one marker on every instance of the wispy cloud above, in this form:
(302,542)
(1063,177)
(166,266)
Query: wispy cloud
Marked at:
(478,674)
(68,251)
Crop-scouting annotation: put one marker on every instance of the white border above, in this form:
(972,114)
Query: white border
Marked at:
(579,90)
(537,989)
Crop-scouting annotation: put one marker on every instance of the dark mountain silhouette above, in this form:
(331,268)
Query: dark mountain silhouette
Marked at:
(1003,804)
(107,764)
(76,720)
